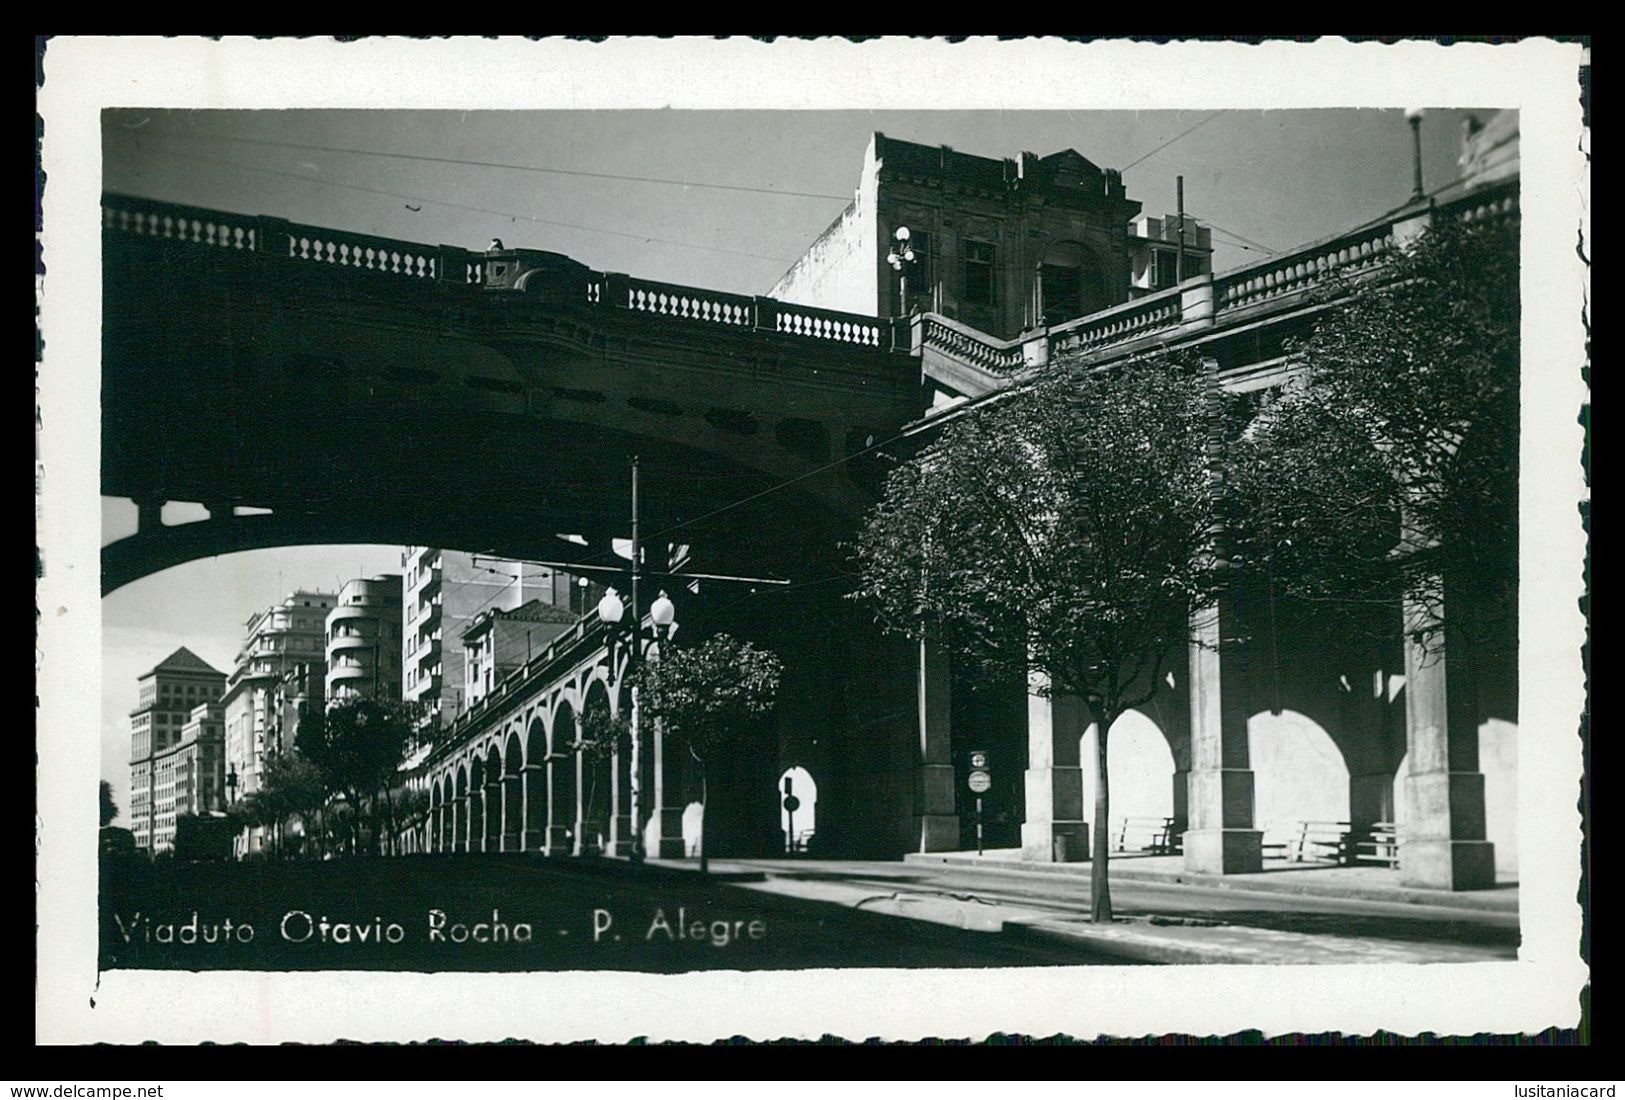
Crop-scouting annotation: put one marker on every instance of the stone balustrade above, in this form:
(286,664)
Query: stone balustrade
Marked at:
(1351,254)
(970,346)
(1155,313)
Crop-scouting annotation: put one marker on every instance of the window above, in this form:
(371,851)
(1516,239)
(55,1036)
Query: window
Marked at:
(979,260)
(1167,268)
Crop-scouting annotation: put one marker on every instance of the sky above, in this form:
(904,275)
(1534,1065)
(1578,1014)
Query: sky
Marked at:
(720,199)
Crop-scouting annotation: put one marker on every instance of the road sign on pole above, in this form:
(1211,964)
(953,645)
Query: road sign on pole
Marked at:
(980,782)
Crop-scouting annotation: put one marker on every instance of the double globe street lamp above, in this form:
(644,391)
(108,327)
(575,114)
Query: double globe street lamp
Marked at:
(901,258)
(628,631)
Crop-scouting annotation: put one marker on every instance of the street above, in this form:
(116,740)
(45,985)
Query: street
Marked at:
(512,913)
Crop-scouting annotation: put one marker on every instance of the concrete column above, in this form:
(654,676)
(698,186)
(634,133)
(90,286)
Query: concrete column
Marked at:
(149,513)
(1196,302)
(1221,838)
(513,812)
(580,847)
(1055,830)
(1444,845)
(454,819)
(557,840)
(934,826)
(620,804)
(665,831)
(494,808)
(1182,805)
(534,836)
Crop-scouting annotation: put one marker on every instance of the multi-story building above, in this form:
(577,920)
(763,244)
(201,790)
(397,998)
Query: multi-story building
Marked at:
(1000,245)
(169,696)
(189,777)
(442,592)
(275,640)
(499,642)
(301,692)
(363,640)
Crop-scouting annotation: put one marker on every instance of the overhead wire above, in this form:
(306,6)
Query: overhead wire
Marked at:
(1171,140)
(505,166)
(646,238)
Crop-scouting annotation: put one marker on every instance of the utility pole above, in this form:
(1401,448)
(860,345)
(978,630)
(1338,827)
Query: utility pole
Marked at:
(1179,256)
(636,763)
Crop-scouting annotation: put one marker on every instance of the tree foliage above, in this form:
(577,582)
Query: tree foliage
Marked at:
(1066,526)
(1395,460)
(109,808)
(709,699)
(357,746)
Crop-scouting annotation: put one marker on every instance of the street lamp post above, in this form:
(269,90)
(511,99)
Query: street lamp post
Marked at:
(901,258)
(231,796)
(1414,117)
(663,624)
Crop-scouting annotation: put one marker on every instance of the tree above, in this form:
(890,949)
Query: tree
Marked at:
(109,807)
(357,745)
(290,786)
(1066,526)
(1393,462)
(709,699)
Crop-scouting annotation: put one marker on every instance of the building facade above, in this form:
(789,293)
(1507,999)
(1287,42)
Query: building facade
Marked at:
(442,591)
(363,638)
(189,778)
(170,695)
(276,639)
(300,693)
(498,643)
(999,245)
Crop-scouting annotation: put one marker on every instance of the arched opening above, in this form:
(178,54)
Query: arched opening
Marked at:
(597,730)
(798,808)
(1140,769)
(437,815)
(513,794)
(460,812)
(535,786)
(562,762)
(1071,283)
(493,800)
(1299,777)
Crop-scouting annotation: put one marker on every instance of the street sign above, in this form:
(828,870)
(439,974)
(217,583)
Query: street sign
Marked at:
(978,759)
(980,781)
(792,803)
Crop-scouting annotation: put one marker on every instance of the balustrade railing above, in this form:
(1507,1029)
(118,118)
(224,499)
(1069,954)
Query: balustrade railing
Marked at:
(273,238)
(1119,324)
(184,224)
(1277,276)
(826,324)
(1482,207)
(685,303)
(970,346)
(375,254)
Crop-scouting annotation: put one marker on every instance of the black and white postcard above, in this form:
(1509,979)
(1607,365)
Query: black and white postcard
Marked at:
(696,538)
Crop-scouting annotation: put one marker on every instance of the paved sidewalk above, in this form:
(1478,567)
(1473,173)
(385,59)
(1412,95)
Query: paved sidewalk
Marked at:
(1368,883)
(1160,919)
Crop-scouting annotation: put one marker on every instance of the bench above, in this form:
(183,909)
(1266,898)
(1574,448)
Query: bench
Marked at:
(1379,845)
(1312,842)
(1148,834)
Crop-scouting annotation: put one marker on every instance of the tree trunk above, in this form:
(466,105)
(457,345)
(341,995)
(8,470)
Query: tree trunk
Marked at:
(705,858)
(1100,888)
